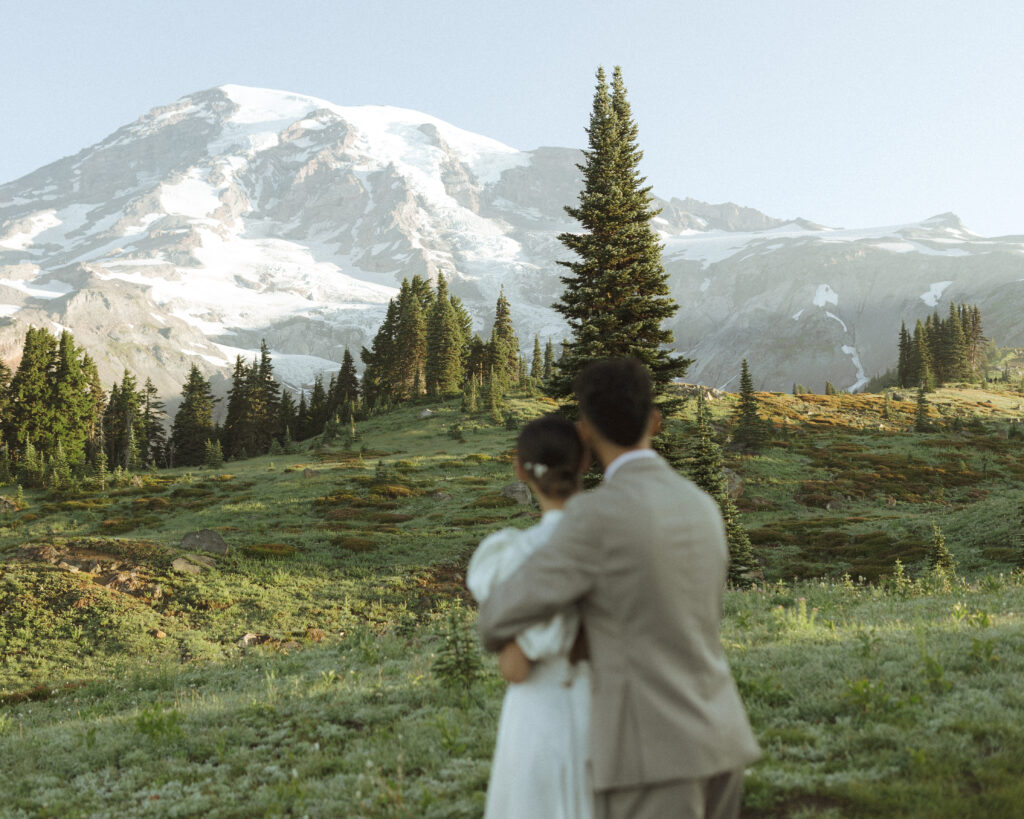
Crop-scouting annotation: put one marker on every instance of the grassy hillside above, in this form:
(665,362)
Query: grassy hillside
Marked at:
(299,672)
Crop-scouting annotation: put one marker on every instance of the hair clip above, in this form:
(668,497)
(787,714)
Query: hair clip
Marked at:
(537,470)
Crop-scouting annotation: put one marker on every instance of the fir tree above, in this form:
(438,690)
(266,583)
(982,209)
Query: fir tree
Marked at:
(708,471)
(537,363)
(155,439)
(302,417)
(939,557)
(29,415)
(503,348)
(71,402)
(410,344)
(476,360)
(286,413)
(750,428)
(235,432)
(616,293)
(549,361)
(379,360)
(921,422)
(445,345)
(348,381)
(317,408)
(469,396)
(904,366)
(954,346)
(193,422)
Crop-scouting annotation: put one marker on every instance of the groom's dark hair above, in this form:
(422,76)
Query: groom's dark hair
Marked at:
(615,396)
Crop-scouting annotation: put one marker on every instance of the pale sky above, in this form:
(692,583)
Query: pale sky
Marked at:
(852,113)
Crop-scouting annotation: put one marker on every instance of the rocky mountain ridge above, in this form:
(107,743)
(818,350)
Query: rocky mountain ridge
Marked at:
(237,213)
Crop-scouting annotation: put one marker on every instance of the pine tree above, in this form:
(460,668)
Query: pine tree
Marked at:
(348,381)
(379,360)
(286,413)
(830,388)
(904,366)
(549,361)
(123,424)
(469,396)
(954,344)
(476,360)
(707,470)
(302,417)
(503,348)
(235,432)
(193,422)
(921,422)
(317,408)
(155,443)
(410,344)
(71,402)
(750,428)
(445,345)
(939,557)
(537,363)
(616,293)
(264,407)
(29,415)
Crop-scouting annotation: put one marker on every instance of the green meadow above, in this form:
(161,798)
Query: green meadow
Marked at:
(327,666)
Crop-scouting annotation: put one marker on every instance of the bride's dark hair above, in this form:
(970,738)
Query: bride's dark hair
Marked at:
(550,451)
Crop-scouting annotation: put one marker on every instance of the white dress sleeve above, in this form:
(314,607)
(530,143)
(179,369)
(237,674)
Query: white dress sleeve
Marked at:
(495,559)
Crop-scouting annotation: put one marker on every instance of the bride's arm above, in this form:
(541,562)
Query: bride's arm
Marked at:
(513,663)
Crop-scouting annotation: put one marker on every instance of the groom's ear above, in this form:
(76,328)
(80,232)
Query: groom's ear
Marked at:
(654,423)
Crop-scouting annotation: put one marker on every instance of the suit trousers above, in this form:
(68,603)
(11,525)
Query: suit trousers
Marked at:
(718,797)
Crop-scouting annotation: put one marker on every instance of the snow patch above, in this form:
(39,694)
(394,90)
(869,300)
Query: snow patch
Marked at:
(797,314)
(825,295)
(834,316)
(931,298)
(192,196)
(862,379)
(37,223)
(9,309)
(52,289)
(295,371)
(704,285)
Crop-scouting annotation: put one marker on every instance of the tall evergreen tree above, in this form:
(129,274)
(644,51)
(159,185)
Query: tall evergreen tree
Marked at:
(193,422)
(155,444)
(750,428)
(707,470)
(503,348)
(287,415)
(537,362)
(954,344)
(29,413)
(317,408)
(549,361)
(235,431)
(445,347)
(616,293)
(71,403)
(347,386)
(921,422)
(379,360)
(264,408)
(302,424)
(903,365)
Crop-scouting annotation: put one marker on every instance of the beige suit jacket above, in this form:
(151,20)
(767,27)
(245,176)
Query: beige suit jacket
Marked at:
(644,555)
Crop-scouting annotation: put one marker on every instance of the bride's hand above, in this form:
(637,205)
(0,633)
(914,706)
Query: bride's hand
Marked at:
(513,664)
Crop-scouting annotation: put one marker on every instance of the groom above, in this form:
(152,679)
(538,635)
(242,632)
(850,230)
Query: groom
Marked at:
(644,556)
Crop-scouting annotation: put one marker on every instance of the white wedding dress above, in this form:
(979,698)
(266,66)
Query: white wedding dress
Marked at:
(539,769)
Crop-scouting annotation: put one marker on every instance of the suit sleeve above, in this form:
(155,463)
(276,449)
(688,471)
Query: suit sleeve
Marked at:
(554,577)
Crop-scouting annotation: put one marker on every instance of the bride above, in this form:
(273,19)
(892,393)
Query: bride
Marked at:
(540,757)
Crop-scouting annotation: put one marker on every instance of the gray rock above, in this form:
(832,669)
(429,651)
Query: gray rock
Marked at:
(205,539)
(308,473)
(182,566)
(203,560)
(427,413)
(735,483)
(519,492)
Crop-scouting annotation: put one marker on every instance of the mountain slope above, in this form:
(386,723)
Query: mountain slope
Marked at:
(237,213)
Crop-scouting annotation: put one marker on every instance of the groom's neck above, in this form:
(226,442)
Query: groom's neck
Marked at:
(607,452)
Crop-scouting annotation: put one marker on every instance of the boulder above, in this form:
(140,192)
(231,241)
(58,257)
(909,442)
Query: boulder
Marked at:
(203,560)
(735,483)
(519,492)
(182,566)
(206,540)
(427,413)
(308,473)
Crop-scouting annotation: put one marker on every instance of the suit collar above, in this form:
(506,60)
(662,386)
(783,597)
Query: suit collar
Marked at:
(627,457)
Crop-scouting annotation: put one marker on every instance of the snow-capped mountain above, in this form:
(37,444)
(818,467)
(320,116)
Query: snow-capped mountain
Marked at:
(238,213)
